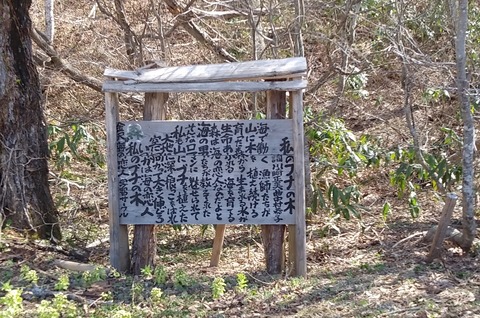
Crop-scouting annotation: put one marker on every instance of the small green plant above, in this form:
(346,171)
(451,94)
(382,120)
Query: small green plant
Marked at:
(410,176)
(137,291)
(345,202)
(63,282)
(147,271)
(218,287)
(357,82)
(435,95)
(386,210)
(156,294)
(46,310)
(11,302)
(181,279)
(107,296)
(160,275)
(242,282)
(121,313)
(65,306)
(114,273)
(60,306)
(28,274)
(91,277)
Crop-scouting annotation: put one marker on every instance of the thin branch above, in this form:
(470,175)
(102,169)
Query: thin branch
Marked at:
(185,20)
(57,63)
(407,87)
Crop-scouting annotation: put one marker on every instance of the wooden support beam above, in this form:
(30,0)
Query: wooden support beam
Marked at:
(299,175)
(119,250)
(182,87)
(144,246)
(292,244)
(217,244)
(273,235)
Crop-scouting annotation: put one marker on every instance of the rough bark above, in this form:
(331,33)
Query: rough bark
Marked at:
(25,198)
(468,192)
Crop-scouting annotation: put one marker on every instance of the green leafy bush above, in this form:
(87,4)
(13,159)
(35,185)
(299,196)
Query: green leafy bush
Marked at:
(76,141)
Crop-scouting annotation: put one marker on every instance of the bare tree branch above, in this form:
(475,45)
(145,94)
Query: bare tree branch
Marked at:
(185,20)
(57,63)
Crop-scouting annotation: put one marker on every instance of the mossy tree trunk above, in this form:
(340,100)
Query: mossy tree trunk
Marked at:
(25,199)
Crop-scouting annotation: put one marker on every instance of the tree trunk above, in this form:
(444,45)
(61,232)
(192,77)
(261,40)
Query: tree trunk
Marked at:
(468,192)
(25,199)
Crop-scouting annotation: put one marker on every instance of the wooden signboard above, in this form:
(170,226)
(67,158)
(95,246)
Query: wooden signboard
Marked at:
(206,172)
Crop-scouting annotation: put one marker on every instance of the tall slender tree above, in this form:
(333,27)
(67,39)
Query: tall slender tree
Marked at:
(468,191)
(25,199)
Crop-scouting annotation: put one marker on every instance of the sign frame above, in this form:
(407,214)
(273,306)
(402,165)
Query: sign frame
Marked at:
(272,76)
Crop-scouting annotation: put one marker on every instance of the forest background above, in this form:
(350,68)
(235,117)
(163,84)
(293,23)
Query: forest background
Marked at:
(382,89)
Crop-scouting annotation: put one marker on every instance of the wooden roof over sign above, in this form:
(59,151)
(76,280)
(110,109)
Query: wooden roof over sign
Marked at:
(241,76)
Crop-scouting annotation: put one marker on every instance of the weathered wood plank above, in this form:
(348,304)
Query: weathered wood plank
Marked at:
(273,235)
(217,244)
(144,239)
(119,250)
(206,172)
(282,68)
(298,153)
(121,87)
(292,250)
(292,228)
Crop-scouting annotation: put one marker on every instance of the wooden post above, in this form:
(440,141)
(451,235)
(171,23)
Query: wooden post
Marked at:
(436,249)
(119,252)
(273,235)
(292,244)
(144,239)
(299,174)
(217,244)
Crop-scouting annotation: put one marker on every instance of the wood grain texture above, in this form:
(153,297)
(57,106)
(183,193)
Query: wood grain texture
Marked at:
(292,228)
(121,87)
(206,172)
(119,249)
(298,152)
(281,68)
(273,235)
(144,239)
(217,244)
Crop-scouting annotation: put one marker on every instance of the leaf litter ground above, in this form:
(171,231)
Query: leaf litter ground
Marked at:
(354,273)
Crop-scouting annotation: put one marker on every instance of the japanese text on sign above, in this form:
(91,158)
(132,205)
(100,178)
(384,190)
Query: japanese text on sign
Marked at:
(206,172)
